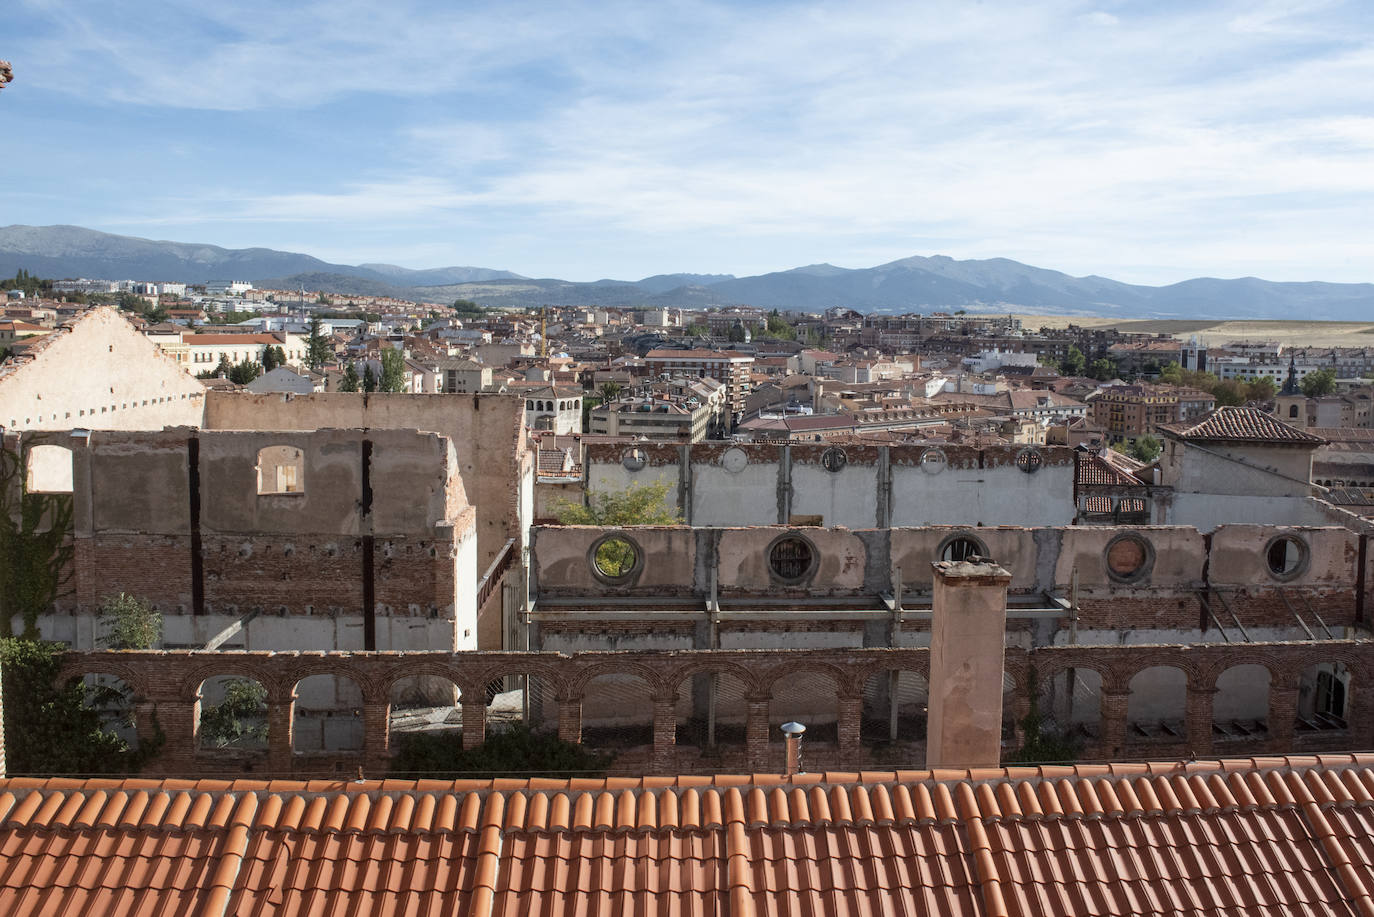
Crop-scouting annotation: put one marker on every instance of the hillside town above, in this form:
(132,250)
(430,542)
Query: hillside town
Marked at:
(288,536)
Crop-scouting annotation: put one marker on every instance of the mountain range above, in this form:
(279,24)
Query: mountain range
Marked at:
(909,285)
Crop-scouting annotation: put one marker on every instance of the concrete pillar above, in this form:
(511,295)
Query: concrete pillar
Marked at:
(280,727)
(850,710)
(968,638)
(1115,703)
(665,734)
(1283,714)
(1198,719)
(474,717)
(570,719)
(756,735)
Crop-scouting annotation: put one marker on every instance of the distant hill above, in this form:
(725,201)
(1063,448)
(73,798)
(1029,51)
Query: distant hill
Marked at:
(916,284)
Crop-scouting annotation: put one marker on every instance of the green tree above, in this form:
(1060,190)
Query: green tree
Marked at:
(318,350)
(393,370)
(1261,390)
(240,719)
(1228,392)
(515,752)
(697,329)
(243,372)
(1171,374)
(1103,369)
(350,379)
(779,327)
(1319,383)
(1146,448)
(269,358)
(608,391)
(737,333)
(369,379)
(638,504)
(1073,363)
(130,623)
(36,550)
(53,728)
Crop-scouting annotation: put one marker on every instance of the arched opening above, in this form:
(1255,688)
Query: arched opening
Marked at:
(233,713)
(281,470)
(112,700)
(1072,704)
(50,470)
(1157,707)
(809,698)
(1293,412)
(719,712)
(1240,707)
(894,710)
(961,547)
(329,715)
(424,704)
(1324,698)
(617,712)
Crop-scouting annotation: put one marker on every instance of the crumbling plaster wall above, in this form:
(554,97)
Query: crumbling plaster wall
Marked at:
(99,374)
(719,484)
(486,430)
(296,559)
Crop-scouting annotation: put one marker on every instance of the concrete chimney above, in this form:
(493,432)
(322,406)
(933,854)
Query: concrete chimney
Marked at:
(793,731)
(968,639)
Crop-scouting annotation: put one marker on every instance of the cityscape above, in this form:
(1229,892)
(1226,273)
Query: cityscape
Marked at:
(950,585)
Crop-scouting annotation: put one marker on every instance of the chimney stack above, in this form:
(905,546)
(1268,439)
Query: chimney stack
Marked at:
(967,646)
(793,731)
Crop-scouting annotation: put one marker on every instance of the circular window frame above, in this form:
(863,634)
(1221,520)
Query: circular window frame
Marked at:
(933,460)
(834,459)
(734,460)
(629,577)
(1030,460)
(807,575)
(634,460)
(980,544)
(1304,557)
(1146,566)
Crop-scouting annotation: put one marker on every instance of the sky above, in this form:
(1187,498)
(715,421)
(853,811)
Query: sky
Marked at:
(1149,142)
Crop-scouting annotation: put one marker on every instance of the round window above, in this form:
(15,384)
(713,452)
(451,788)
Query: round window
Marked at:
(962,547)
(634,459)
(1128,557)
(734,461)
(791,558)
(934,461)
(1029,460)
(834,459)
(615,559)
(1286,556)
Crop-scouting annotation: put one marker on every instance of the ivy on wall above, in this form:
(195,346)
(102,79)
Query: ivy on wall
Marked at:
(36,548)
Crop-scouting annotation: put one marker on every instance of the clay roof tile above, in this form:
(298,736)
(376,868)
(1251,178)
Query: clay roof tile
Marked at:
(882,805)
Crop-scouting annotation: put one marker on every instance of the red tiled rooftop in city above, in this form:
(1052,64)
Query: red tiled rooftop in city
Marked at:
(1240,424)
(1250,836)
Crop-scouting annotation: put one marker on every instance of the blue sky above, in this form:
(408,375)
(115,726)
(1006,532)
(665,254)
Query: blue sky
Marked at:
(1149,142)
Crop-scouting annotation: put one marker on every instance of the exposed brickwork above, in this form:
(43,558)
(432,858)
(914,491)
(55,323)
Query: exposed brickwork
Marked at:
(168,683)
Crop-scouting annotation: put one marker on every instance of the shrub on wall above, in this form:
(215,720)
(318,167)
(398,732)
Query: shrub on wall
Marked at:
(515,752)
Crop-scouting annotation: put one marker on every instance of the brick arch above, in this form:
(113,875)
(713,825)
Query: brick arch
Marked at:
(72,669)
(656,682)
(1046,671)
(433,668)
(848,679)
(918,665)
(480,676)
(1208,673)
(281,687)
(680,675)
(368,684)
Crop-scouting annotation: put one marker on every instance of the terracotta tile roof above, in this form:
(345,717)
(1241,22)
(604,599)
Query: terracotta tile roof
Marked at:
(1242,837)
(1100,470)
(1240,424)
